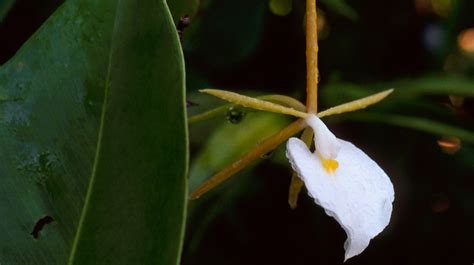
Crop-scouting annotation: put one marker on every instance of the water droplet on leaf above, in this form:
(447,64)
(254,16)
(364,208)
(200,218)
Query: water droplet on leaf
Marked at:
(235,115)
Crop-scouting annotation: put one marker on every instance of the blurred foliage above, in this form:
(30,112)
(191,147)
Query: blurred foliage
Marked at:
(215,40)
(367,46)
(340,7)
(280,7)
(219,151)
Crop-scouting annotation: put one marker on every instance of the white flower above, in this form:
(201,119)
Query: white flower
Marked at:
(343,180)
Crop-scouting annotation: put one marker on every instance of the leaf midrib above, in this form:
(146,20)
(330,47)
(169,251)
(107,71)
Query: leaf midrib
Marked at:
(99,143)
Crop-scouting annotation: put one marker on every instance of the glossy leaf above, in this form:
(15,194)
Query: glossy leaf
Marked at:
(93,104)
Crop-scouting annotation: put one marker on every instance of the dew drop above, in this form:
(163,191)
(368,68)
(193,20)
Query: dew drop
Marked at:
(234,115)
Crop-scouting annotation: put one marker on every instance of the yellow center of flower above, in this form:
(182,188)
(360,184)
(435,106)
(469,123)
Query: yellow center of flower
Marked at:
(330,165)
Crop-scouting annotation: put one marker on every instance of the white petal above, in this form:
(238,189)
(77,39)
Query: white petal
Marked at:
(358,194)
(325,141)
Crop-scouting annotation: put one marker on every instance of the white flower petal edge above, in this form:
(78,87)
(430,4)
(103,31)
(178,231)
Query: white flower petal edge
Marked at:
(358,194)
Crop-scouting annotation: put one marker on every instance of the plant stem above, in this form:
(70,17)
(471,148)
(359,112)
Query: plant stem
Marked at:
(312,78)
(311,57)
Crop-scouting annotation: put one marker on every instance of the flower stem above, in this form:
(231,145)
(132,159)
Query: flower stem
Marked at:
(311,57)
(262,148)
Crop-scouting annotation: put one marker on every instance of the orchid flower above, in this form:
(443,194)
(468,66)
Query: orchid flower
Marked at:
(341,178)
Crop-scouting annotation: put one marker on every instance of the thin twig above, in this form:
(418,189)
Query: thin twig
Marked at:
(311,57)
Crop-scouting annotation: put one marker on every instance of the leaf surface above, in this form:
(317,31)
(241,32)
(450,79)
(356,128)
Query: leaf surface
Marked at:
(93,135)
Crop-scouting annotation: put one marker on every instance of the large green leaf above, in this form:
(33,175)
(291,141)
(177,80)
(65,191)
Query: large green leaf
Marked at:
(93,134)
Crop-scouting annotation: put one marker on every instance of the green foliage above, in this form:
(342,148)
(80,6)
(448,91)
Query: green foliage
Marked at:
(416,123)
(407,107)
(406,89)
(226,143)
(93,135)
(230,141)
(280,7)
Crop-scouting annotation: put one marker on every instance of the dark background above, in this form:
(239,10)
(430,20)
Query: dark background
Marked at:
(241,45)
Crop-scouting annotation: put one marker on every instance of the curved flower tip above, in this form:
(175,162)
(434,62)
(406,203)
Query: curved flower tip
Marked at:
(325,141)
(357,193)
